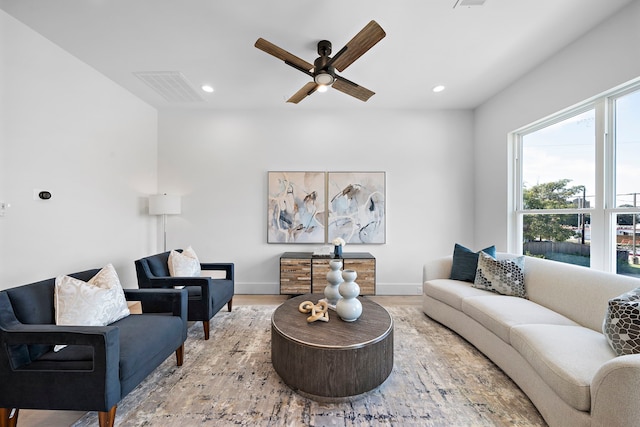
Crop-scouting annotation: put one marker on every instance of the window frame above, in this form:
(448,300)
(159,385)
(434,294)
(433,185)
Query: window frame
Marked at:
(603,212)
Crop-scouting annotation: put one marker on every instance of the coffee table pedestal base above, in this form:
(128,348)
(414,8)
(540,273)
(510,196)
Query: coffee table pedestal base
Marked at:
(311,363)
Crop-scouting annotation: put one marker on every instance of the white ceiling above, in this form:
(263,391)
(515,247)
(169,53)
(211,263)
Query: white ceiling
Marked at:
(474,51)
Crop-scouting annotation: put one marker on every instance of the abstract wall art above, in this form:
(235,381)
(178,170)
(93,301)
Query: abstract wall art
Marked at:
(296,207)
(356,207)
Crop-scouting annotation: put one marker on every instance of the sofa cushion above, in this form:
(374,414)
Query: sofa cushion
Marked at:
(622,323)
(557,353)
(451,292)
(145,342)
(499,313)
(185,264)
(505,277)
(158,264)
(465,262)
(579,293)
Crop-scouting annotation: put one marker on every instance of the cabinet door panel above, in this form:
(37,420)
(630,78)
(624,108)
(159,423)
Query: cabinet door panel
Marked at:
(295,276)
(366,269)
(319,270)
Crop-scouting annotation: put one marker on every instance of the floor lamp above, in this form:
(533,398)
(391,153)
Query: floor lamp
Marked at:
(163,204)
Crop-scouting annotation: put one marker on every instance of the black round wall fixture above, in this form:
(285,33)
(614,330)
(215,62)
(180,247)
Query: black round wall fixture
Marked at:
(44,195)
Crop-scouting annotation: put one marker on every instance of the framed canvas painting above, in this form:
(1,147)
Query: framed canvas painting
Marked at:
(356,207)
(296,207)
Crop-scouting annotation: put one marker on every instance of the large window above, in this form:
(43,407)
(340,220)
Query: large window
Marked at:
(626,140)
(577,185)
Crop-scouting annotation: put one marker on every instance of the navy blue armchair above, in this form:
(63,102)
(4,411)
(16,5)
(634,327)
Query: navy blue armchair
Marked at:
(100,364)
(206,295)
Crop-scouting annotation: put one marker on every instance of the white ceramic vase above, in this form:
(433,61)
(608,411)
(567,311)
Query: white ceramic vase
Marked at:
(349,308)
(334,277)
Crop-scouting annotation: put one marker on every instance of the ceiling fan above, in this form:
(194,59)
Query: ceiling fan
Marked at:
(323,70)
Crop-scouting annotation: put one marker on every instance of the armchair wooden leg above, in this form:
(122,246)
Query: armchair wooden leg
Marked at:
(180,355)
(229,304)
(106,419)
(205,325)
(8,417)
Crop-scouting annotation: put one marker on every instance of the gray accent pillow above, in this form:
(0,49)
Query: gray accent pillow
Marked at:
(622,323)
(465,262)
(505,277)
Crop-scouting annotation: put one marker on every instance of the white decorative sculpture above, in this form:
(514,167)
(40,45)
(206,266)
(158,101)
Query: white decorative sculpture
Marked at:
(349,308)
(334,277)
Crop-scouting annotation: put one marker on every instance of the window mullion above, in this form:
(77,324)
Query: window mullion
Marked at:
(600,221)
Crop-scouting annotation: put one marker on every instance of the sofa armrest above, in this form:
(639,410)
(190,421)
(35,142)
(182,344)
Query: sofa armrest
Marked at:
(174,301)
(168,283)
(228,268)
(102,338)
(614,392)
(21,382)
(439,268)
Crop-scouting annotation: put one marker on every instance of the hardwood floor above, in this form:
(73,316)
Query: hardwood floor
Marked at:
(38,418)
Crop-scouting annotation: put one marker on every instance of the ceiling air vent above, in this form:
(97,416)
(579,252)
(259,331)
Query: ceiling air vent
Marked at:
(468,3)
(172,85)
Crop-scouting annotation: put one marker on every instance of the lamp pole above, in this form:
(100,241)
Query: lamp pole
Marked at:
(163,204)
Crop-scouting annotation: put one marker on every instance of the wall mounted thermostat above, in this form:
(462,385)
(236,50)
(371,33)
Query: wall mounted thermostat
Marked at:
(40,194)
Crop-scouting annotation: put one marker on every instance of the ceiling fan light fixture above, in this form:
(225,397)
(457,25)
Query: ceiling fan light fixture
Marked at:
(322,88)
(324,78)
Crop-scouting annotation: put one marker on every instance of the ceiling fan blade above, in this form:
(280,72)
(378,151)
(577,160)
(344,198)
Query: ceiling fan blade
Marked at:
(371,34)
(353,89)
(278,52)
(306,90)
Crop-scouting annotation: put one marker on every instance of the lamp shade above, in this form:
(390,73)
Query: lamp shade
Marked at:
(163,204)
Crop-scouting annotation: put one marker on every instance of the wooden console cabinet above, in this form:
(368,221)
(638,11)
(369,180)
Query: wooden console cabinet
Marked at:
(302,273)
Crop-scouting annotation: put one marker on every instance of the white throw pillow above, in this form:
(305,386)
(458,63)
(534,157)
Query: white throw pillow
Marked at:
(107,278)
(98,302)
(185,264)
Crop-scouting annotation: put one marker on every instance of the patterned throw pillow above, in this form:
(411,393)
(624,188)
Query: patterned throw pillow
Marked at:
(465,262)
(505,277)
(185,264)
(622,323)
(98,302)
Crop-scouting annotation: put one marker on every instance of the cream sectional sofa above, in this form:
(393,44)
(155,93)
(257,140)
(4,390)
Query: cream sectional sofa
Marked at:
(550,344)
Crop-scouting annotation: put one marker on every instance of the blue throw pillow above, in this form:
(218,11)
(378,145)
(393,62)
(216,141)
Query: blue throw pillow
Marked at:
(465,262)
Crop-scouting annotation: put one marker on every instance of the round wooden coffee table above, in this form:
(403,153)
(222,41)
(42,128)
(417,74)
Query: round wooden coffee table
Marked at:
(334,359)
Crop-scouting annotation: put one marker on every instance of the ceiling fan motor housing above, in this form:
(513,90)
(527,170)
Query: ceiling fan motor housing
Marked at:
(323,74)
(324,48)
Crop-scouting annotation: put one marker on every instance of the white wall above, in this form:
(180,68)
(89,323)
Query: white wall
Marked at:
(69,130)
(218,161)
(604,58)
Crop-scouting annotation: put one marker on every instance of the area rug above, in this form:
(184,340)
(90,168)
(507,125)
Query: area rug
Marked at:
(438,379)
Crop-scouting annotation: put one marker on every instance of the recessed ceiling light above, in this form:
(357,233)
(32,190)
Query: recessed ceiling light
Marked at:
(207,88)
(438,88)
